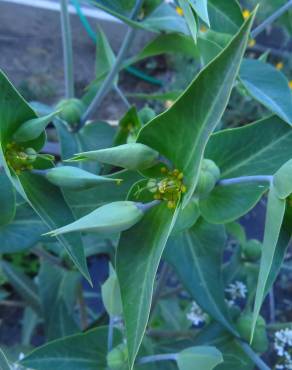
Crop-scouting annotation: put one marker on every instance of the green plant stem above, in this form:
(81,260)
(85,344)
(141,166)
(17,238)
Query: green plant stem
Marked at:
(157,358)
(108,82)
(277,14)
(144,207)
(253,356)
(110,333)
(245,179)
(122,96)
(279,326)
(272,305)
(67,50)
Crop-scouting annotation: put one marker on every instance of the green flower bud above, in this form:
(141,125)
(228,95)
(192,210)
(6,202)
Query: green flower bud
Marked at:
(260,339)
(208,177)
(109,219)
(134,156)
(71,110)
(252,250)
(118,357)
(75,178)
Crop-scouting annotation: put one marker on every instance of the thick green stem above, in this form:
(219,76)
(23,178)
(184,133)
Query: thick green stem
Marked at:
(277,14)
(156,358)
(254,357)
(67,50)
(246,179)
(108,82)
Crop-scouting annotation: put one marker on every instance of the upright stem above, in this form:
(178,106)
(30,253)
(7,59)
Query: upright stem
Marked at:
(67,50)
(254,357)
(122,96)
(277,14)
(107,83)
(110,333)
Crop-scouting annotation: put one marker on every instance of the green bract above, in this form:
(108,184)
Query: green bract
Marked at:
(133,156)
(110,218)
(76,178)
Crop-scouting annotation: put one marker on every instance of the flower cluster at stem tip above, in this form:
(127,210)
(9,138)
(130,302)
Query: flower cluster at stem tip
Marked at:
(19,158)
(169,188)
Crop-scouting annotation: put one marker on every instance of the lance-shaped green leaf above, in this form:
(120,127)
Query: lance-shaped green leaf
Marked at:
(182,132)
(75,178)
(134,156)
(268,86)
(23,285)
(7,199)
(196,255)
(198,358)
(33,128)
(4,364)
(14,111)
(138,256)
(86,351)
(283,180)
(110,218)
(274,219)
(201,8)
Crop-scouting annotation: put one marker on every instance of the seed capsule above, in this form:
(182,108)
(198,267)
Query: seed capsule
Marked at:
(71,110)
(209,175)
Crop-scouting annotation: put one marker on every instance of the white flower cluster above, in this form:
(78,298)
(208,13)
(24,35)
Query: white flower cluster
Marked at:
(236,290)
(283,347)
(196,315)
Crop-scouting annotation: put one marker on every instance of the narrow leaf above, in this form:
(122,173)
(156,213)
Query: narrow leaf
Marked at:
(201,8)
(7,199)
(274,219)
(189,17)
(282,180)
(225,17)
(198,111)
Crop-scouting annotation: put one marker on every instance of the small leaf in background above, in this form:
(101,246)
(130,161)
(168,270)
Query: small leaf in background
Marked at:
(198,358)
(111,296)
(110,218)
(75,178)
(129,126)
(7,199)
(274,218)
(190,17)
(4,364)
(86,351)
(23,232)
(134,156)
(198,111)
(268,86)
(201,8)
(58,291)
(23,285)
(283,180)
(33,128)
(196,255)
(225,17)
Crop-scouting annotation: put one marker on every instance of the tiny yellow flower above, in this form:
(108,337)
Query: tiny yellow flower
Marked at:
(179,11)
(290,84)
(279,65)
(245,13)
(251,43)
(168,103)
(203,29)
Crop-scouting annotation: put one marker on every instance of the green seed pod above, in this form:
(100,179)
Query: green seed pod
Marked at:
(109,219)
(118,357)
(33,128)
(252,250)
(260,339)
(75,178)
(208,177)
(134,156)
(71,110)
